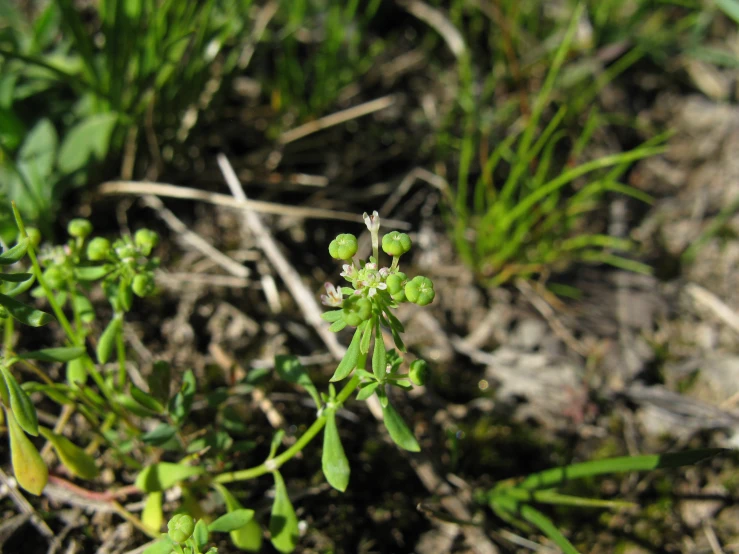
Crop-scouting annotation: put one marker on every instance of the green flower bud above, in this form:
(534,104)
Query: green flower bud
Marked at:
(180,528)
(79,228)
(419,372)
(343,247)
(396,243)
(420,290)
(143,284)
(396,282)
(34,236)
(146,240)
(356,310)
(54,276)
(124,251)
(98,249)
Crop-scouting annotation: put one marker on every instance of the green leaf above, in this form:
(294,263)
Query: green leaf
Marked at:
(730,8)
(37,154)
(61,354)
(367,391)
(399,431)
(231,521)
(332,316)
(292,371)
(15,277)
(108,339)
(86,141)
(76,460)
(160,435)
(369,326)
(163,546)
(337,326)
(249,537)
(152,516)
(350,359)
(24,314)
(557,476)
(379,355)
(200,534)
(29,469)
(283,523)
(333,461)
(179,406)
(534,516)
(20,403)
(165,475)
(14,254)
(159,381)
(146,400)
(92,273)
(83,307)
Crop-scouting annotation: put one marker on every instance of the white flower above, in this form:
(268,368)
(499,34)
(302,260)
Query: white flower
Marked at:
(350,272)
(373,288)
(372,221)
(333,297)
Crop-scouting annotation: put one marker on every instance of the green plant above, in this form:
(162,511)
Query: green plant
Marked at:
(514,501)
(323,47)
(157,64)
(535,221)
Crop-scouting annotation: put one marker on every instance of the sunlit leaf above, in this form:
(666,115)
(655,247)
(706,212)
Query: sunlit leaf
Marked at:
(283,523)
(231,521)
(76,460)
(108,339)
(20,404)
(29,469)
(164,475)
(14,254)
(399,431)
(333,460)
(61,354)
(23,313)
(350,359)
(379,355)
(248,537)
(152,516)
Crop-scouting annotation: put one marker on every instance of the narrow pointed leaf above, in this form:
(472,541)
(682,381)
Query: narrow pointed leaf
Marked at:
(20,403)
(332,316)
(534,516)
(248,537)
(15,277)
(107,339)
(92,273)
(14,254)
(152,517)
(231,521)
(163,546)
(349,361)
(365,392)
(283,523)
(200,535)
(165,475)
(62,354)
(76,371)
(379,355)
(180,404)
(333,461)
(146,400)
(76,460)
(29,469)
(399,431)
(369,326)
(292,371)
(23,313)
(337,326)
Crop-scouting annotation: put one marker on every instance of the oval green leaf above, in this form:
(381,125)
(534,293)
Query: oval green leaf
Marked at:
(15,277)
(249,537)
(76,460)
(231,521)
(365,392)
(350,359)
(20,404)
(163,546)
(146,400)
(23,313)
(164,475)
(333,460)
(107,339)
(367,336)
(152,516)
(283,523)
(379,355)
(399,431)
(29,469)
(76,371)
(14,254)
(92,273)
(200,534)
(62,354)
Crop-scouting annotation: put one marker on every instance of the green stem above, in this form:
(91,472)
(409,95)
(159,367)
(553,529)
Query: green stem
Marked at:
(121,349)
(74,339)
(302,442)
(8,336)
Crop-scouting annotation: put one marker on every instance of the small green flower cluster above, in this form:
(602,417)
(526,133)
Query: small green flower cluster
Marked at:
(374,289)
(124,265)
(187,536)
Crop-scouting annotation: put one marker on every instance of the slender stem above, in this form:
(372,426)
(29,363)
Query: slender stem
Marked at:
(313,430)
(121,349)
(39,277)
(8,336)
